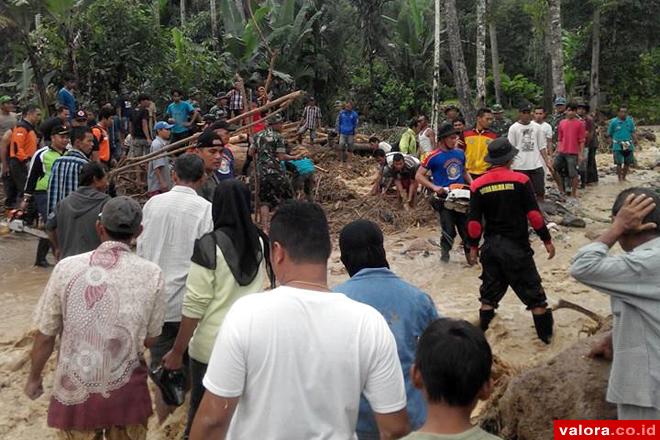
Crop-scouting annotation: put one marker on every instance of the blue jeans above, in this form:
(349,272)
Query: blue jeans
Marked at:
(41,202)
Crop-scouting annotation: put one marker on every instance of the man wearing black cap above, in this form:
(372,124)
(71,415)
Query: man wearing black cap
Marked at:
(61,118)
(530,142)
(106,306)
(223,129)
(37,182)
(210,148)
(447,166)
(504,200)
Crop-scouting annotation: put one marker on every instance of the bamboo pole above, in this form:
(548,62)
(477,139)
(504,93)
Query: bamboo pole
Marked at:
(271,104)
(176,147)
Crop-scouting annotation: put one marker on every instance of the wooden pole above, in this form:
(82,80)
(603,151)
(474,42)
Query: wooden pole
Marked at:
(271,104)
(282,101)
(176,147)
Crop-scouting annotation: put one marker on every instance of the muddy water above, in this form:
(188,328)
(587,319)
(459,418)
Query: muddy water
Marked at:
(453,286)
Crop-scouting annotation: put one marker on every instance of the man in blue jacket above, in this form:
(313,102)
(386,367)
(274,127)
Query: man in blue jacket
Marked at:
(347,122)
(407,310)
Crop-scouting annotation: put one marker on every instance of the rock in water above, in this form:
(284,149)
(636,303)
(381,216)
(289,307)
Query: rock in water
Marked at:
(568,386)
(573,221)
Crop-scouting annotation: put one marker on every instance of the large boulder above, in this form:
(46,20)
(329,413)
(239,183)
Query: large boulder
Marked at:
(569,386)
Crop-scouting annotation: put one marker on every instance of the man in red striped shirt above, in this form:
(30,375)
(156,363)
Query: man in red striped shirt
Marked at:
(504,200)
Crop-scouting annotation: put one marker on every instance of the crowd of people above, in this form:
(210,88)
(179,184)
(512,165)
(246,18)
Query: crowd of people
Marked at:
(371,358)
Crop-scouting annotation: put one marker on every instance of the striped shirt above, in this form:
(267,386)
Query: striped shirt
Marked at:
(64,176)
(312,117)
(235,100)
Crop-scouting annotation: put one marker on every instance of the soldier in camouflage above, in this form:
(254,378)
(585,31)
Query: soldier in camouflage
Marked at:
(557,117)
(500,124)
(272,183)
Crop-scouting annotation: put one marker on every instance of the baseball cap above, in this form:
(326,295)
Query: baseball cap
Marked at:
(222,123)
(61,130)
(209,139)
(451,107)
(560,100)
(162,125)
(4,99)
(81,115)
(122,215)
(497,108)
(522,108)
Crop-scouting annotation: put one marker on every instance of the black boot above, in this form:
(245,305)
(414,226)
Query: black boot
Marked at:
(485,316)
(42,251)
(543,324)
(444,255)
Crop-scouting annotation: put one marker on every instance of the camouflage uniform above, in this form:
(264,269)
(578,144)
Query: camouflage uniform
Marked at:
(501,127)
(274,185)
(554,123)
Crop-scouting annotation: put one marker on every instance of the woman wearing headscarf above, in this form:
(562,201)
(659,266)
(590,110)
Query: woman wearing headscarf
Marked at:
(228,263)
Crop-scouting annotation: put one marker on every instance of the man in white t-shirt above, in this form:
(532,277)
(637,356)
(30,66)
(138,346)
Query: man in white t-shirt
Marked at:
(291,363)
(530,141)
(539,119)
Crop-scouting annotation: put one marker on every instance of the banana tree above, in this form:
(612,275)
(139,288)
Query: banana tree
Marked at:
(18,15)
(62,12)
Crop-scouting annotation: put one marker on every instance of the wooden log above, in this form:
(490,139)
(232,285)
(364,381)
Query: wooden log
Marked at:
(238,138)
(275,103)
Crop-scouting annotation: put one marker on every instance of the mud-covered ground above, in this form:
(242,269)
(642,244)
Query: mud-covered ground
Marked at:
(453,286)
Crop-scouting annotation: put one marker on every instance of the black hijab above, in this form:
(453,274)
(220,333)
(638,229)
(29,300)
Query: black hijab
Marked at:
(234,233)
(361,245)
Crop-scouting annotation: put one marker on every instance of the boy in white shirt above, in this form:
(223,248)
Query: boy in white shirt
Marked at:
(531,142)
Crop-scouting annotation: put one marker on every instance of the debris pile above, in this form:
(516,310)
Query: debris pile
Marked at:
(344,202)
(567,387)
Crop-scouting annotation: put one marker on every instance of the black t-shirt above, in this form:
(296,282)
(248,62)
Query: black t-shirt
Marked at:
(47,127)
(139,115)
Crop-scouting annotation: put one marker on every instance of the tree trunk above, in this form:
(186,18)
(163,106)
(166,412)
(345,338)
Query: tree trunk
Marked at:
(554,15)
(481,53)
(594,88)
(435,96)
(458,62)
(155,8)
(38,74)
(182,10)
(547,64)
(495,56)
(214,23)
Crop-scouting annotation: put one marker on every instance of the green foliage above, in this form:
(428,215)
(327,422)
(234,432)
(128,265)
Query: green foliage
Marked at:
(392,102)
(641,92)
(324,47)
(520,88)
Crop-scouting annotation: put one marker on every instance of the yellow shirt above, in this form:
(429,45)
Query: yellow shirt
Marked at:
(476,149)
(209,296)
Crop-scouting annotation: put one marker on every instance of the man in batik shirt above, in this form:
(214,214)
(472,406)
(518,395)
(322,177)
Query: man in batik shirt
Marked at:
(107,306)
